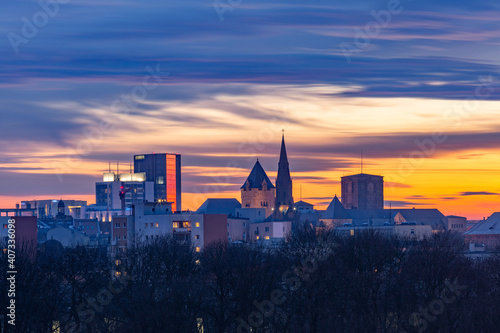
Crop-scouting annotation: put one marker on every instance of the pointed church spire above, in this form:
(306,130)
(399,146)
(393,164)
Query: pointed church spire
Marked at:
(283,181)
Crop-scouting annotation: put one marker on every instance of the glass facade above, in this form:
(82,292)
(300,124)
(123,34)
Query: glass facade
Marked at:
(165,171)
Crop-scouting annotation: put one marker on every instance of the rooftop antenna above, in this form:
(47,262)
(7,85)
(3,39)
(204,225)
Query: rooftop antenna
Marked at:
(130,167)
(117,168)
(283,132)
(109,167)
(361,160)
(300,192)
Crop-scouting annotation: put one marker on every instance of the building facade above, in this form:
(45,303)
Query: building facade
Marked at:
(258,191)
(135,187)
(164,170)
(362,191)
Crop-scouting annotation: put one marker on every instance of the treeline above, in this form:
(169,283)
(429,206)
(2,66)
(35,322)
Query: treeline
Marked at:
(316,282)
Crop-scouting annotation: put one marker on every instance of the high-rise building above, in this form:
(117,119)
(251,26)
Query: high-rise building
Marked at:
(363,191)
(165,171)
(284,197)
(258,191)
(134,186)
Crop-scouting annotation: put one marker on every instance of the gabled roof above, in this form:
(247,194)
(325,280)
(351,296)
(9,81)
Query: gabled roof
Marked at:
(257,177)
(418,214)
(219,206)
(489,227)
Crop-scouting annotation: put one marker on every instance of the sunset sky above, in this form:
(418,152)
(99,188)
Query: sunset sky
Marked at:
(420,98)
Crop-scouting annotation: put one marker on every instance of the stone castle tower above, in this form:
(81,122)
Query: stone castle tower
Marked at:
(258,191)
(284,198)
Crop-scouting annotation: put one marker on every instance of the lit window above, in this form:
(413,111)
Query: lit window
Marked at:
(267,237)
(257,237)
(198,249)
(197,224)
(175,225)
(197,262)
(156,225)
(118,274)
(352,232)
(118,262)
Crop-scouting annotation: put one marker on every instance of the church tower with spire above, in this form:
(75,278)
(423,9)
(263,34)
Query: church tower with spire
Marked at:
(258,191)
(284,198)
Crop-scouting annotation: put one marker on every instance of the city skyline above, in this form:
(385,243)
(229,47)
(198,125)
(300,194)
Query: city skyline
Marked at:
(218,87)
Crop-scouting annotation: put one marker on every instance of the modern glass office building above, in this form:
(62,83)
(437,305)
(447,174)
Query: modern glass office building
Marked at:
(165,171)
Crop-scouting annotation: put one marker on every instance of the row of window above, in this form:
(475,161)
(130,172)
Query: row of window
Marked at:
(124,237)
(82,227)
(117,225)
(151,225)
(457,226)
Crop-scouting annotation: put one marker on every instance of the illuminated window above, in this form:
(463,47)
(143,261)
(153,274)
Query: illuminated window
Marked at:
(118,274)
(160,180)
(352,232)
(175,225)
(156,225)
(197,224)
(199,325)
(267,237)
(257,237)
(118,262)
(197,262)
(198,249)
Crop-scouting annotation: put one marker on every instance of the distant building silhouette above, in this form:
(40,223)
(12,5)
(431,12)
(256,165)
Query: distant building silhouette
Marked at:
(363,191)
(284,197)
(258,191)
